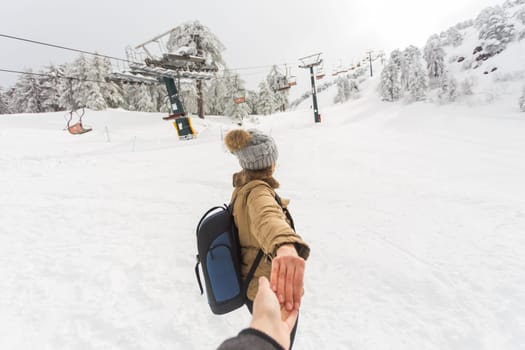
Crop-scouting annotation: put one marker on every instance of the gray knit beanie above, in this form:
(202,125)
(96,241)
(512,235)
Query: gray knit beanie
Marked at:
(254,149)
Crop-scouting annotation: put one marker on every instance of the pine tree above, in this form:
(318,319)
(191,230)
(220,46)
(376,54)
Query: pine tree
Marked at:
(435,57)
(346,89)
(188,97)
(276,81)
(466,86)
(66,95)
(451,37)
(390,86)
(235,88)
(27,95)
(93,85)
(414,76)
(251,101)
(448,89)
(215,95)
(522,100)
(495,31)
(418,83)
(159,98)
(454,37)
(520,15)
(111,92)
(139,98)
(265,102)
(237,111)
(50,83)
(4,104)
(193,38)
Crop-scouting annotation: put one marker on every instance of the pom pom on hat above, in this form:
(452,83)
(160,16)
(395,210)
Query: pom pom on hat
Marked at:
(237,139)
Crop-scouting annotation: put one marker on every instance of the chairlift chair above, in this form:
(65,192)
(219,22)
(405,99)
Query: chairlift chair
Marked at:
(239,100)
(239,97)
(78,128)
(292,81)
(320,73)
(283,84)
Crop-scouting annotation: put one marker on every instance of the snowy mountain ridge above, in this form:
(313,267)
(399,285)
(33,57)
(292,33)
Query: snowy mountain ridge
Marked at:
(474,62)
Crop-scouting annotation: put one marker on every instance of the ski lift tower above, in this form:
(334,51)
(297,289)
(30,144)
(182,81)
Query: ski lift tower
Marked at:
(167,67)
(309,62)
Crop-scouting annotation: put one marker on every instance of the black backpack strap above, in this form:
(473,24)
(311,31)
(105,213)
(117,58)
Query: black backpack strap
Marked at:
(198,274)
(249,277)
(285,211)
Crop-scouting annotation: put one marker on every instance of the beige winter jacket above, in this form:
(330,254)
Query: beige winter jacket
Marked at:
(262,224)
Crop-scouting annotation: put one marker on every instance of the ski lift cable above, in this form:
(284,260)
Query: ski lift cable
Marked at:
(116,58)
(63,47)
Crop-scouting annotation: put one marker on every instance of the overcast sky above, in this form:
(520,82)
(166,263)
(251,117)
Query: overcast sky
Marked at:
(255,33)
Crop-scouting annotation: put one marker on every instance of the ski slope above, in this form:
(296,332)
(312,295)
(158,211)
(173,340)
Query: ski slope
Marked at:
(415,215)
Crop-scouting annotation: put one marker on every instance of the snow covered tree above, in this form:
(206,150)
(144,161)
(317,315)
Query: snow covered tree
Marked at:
(235,87)
(520,15)
(346,89)
(448,91)
(435,57)
(188,97)
(414,75)
(93,84)
(66,95)
(265,102)
(110,91)
(193,38)
(513,3)
(418,83)
(4,104)
(522,100)
(251,101)
(466,86)
(27,94)
(464,25)
(495,31)
(81,88)
(159,98)
(451,37)
(138,98)
(277,80)
(50,83)
(396,57)
(215,95)
(390,87)
(237,111)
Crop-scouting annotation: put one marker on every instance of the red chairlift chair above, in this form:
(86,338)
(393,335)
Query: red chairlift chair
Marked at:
(78,128)
(239,100)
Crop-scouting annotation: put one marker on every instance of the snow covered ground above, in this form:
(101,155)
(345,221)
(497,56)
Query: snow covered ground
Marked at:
(415,215)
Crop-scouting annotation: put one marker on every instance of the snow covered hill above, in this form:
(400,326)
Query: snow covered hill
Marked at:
(415,214)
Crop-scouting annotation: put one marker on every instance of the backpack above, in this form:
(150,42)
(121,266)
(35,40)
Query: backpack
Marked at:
(219,255)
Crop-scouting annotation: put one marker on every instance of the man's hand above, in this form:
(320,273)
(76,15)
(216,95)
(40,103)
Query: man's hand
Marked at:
(287,277)
(268,316)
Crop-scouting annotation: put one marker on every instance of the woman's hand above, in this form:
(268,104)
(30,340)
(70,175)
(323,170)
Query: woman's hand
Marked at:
(287,277)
